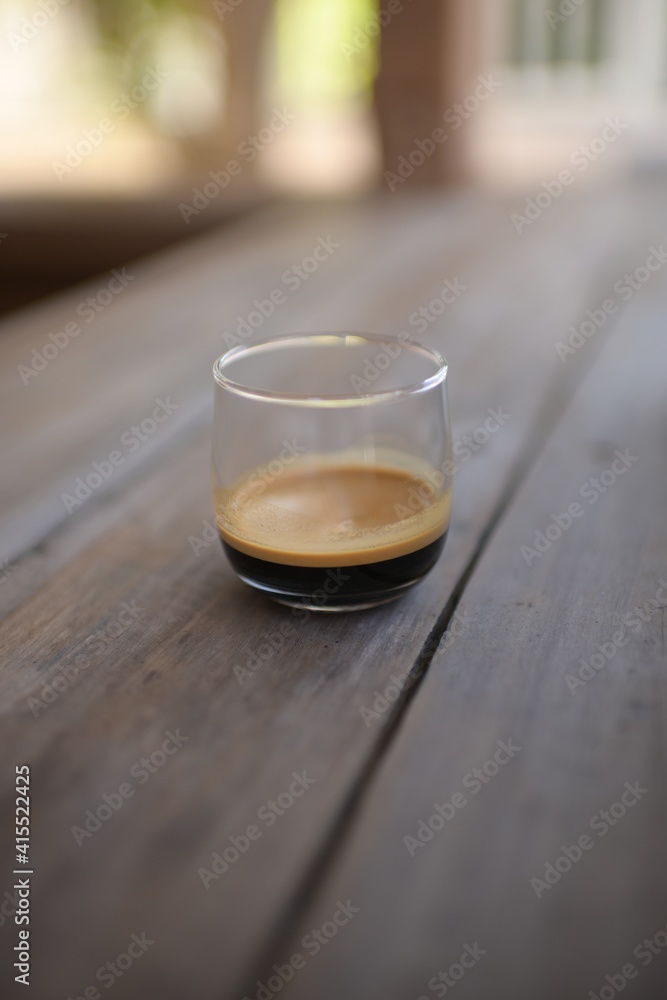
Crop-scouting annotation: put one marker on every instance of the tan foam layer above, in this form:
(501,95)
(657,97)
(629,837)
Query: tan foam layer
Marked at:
(323,514)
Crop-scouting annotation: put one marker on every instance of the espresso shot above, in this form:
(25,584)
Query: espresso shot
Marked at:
(333,536)
(337,495)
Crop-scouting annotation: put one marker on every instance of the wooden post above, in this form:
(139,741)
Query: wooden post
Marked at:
(244,25)
(431,53)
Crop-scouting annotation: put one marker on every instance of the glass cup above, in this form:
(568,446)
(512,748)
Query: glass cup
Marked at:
(332,466)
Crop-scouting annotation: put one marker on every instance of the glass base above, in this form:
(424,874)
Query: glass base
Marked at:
(301,602)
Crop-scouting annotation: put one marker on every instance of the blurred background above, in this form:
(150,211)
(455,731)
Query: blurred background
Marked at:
(122,120)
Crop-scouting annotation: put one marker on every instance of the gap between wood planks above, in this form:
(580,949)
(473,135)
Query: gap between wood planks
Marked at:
(557,402)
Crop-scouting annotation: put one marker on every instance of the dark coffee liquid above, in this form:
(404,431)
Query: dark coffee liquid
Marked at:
(337,586)
(331,536)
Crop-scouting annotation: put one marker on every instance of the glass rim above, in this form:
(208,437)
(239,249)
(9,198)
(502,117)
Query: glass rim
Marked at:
(351,398)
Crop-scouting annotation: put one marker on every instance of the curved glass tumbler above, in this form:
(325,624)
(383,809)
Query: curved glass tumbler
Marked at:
(332,466)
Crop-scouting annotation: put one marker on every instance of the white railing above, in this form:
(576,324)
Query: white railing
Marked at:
(572,46)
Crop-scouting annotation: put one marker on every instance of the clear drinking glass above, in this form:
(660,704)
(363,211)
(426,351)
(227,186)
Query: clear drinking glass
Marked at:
(332,466)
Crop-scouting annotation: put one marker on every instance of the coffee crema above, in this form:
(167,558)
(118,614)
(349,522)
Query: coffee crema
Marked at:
(359,532)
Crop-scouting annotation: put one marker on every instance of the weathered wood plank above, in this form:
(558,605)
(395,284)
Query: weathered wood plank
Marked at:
(173,669)
(505,678)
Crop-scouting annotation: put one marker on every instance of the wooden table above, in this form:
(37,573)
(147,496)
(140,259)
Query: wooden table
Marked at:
(385,796)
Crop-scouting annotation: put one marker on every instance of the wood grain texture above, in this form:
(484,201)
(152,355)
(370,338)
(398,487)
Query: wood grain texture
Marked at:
(505,678)
(172,668)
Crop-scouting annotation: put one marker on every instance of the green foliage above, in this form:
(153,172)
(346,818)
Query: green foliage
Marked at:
(127,30)
(320,60)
